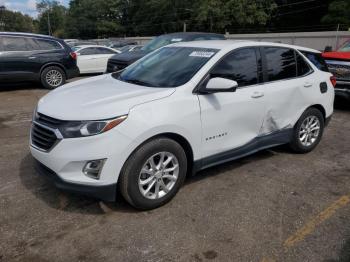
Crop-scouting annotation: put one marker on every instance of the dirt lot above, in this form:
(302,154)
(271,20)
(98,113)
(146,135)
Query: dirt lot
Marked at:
(269,207)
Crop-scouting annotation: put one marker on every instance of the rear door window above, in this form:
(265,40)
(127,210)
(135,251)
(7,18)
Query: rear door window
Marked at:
(281,63)
(317,60)
(240,66)
(43,44)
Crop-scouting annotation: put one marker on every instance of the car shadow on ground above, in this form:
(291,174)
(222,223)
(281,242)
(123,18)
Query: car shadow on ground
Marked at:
(341,104)
(19,86)
(43,189)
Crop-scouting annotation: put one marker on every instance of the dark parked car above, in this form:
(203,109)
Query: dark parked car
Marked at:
(30,57)
(120,61)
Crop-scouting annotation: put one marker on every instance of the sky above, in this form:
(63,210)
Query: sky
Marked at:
(25,6)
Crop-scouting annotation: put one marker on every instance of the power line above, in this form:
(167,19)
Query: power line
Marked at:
(301,10)
(298,3)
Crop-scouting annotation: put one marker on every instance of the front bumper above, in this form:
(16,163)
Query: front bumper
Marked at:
(106,193)
(66,160)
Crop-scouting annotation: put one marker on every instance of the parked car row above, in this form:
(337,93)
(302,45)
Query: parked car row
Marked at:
(119,62)
(31,57)
(339,65)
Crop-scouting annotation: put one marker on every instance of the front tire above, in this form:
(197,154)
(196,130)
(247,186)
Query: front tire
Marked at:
(52,77)
(153,174)
(308,131)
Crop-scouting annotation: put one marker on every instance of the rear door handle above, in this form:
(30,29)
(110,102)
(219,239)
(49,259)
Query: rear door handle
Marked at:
(257,94)
(307,84)
(32,57)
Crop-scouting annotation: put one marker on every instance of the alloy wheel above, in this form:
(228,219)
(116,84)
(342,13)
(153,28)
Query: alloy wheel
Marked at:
(54,78)
(158,175)
(309,131)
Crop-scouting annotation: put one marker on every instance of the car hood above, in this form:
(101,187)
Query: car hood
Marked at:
(129,57)
(97,98)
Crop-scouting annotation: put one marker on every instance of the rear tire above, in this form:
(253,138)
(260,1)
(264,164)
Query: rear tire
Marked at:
(308,131)
(52,77)
(160,163)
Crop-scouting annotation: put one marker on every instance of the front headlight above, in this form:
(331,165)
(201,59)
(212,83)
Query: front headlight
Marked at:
(73,129)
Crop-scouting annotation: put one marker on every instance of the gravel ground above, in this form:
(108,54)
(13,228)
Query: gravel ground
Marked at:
(268,207)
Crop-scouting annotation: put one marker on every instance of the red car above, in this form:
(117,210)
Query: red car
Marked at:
(339,65)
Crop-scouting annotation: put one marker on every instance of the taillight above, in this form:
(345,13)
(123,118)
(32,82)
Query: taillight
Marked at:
(73,55)
(333,80)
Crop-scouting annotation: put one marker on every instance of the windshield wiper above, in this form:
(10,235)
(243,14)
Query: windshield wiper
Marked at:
(138,82)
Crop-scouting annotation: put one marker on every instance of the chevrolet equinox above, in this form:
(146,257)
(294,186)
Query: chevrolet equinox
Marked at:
(178,110)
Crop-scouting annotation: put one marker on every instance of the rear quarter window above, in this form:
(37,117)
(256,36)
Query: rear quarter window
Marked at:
(317,60)
(43,44)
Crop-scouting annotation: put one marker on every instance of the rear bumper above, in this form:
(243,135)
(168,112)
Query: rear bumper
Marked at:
(106,193)
(72,72)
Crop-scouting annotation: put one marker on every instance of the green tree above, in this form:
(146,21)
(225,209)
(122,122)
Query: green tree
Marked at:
(15,21)
(217,15)
(95,18)
(51,19)
(338,13)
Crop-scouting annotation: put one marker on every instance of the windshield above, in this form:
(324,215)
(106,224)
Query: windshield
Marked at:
(167,67)
(160,41)
(345,47)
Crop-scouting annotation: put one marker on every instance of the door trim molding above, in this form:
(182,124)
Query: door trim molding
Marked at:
(259,143)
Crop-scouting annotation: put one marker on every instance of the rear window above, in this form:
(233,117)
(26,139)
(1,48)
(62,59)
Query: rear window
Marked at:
(317,60)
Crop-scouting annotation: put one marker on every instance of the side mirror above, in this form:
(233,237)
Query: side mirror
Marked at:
(328,49)
(218,84)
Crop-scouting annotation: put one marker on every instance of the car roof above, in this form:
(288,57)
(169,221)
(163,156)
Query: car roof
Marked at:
(86,46)
(191,34)
(230,44)
(29,35)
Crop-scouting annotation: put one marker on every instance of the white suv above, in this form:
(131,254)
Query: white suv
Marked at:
(180,109)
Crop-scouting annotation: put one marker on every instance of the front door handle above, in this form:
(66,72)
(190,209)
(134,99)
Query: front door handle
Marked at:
(307,84)
(257,94)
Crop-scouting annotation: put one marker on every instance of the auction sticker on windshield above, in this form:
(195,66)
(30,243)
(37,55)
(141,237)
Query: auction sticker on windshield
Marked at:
(202,54)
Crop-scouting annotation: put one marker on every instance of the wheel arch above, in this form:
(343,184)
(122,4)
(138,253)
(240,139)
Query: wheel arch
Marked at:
(53,64)
(183,142)
(320,108)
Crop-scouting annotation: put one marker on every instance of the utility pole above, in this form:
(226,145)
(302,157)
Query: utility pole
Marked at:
(185,26)
(48,21)
(2,20)
(336,37)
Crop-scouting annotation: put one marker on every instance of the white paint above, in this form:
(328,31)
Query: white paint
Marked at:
(241,115)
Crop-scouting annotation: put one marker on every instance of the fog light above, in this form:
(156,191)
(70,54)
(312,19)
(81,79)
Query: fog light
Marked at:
(93,168)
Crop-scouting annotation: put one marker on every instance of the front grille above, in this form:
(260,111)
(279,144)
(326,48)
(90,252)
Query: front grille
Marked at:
(43,138)
(43,134)
(340,69)
(114,66)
